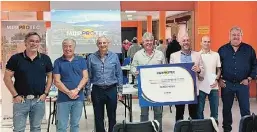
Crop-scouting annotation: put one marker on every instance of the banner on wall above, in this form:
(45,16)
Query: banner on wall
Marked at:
(84,26)
(13,34)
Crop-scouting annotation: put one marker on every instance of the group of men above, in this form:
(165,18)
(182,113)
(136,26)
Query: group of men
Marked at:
(234,66)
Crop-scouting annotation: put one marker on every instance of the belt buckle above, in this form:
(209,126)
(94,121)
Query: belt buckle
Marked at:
(30,97)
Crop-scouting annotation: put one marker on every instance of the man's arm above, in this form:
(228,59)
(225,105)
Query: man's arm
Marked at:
(253,73)
(134,65)
(88,85)
(49,82)
(8,82)
(58,83)
(83,81)
(119,75)
(201,66)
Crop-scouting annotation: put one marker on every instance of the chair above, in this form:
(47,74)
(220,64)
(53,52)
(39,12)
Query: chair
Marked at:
(200,125)
(248,123)
(148,126)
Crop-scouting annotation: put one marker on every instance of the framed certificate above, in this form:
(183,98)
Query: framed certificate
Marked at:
(166,84)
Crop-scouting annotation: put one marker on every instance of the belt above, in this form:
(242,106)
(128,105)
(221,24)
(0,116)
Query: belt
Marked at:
(30,96)
(105,86)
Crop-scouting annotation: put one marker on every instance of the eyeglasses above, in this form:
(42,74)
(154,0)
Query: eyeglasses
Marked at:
(99,43)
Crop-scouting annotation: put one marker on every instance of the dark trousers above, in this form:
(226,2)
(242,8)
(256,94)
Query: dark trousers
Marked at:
(180,109)
(100,98)
(227,95)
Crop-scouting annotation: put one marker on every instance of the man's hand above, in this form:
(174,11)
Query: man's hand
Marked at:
(73,94)
(245,82)
(196,68)
(214,84)
(119,96)
(18,99)
(222,83)
(42,98)
(136,73)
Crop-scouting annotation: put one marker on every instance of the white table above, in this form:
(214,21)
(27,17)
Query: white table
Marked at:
(126,68)
(128,91)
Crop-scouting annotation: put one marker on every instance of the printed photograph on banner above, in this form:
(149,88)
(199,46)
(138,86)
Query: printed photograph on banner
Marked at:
(85,26)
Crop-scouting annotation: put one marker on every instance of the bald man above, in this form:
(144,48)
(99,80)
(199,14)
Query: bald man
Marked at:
(186,55)
(211,62)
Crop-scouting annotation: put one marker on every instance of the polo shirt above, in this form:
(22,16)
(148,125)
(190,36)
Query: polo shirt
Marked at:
(30,75)
(71,73)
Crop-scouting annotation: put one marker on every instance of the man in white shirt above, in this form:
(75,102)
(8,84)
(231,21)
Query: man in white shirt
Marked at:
(209,86)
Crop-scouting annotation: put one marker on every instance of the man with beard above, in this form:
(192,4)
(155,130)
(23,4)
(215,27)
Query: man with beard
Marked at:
(186,55)
(238,68)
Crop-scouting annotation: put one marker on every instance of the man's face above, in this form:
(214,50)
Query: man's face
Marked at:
(206,42)
(68,49)
(185,43)
(103,44)
(148,44)
(235,37)
(32,43)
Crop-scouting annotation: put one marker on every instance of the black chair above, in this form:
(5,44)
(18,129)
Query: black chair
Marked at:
(248,123)
(148,126)
(201,125)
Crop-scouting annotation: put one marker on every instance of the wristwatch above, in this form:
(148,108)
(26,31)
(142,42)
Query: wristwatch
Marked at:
(78,88)
(15,96)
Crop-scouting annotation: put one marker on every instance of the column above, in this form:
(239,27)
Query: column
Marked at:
(162,25)
(149,24)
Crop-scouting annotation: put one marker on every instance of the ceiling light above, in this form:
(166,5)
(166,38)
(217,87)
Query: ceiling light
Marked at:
(130,11)
(129,15)
(129,18)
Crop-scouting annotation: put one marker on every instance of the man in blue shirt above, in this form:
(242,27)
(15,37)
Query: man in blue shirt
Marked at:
(70,77)
(238,68)
(105,74)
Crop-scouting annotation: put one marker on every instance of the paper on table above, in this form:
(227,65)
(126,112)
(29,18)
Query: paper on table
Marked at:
(205,85)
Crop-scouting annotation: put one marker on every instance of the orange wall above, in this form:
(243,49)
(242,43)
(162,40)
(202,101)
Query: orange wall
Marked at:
(220,18)
(25,6)
(137,24)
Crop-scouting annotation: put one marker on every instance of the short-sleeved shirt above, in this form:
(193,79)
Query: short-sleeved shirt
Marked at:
(211,61)
(30,75)
(71,73)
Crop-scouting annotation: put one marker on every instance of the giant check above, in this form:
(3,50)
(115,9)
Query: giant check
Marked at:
(166,84)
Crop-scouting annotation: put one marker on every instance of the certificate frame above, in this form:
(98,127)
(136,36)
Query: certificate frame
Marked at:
(142,98)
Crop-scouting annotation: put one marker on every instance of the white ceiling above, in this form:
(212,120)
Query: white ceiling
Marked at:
(142,15)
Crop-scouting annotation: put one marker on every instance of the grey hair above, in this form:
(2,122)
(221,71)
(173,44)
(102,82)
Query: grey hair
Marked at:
(237,29)
(148,35)
(108,40)
(68,40)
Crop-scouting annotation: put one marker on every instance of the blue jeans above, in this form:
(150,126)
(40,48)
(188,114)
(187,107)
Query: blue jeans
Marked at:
(157,114)
(72,109)
(214,103)
(36,112)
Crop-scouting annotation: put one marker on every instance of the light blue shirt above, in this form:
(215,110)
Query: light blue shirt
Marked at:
(185,58)
(102,73)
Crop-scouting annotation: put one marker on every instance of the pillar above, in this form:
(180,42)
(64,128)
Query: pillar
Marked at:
(149,24)
(162,25)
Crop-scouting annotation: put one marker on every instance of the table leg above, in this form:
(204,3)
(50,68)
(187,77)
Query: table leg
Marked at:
(125,107)
(49,119)
(130,108)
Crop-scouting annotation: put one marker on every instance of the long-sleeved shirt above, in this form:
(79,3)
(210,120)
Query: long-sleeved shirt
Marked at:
(141,58)
(239,65)
(104,72)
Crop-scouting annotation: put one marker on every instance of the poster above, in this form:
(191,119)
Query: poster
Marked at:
(84,26)
(13,34)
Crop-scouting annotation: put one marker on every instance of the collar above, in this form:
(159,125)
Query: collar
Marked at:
(153,51)
(64,59)
(98,53)
(209,52)
(182,53)
(25,55)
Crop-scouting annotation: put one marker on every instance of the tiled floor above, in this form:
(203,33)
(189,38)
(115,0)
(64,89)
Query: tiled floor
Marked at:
(86,125)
